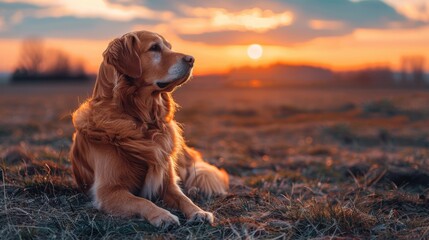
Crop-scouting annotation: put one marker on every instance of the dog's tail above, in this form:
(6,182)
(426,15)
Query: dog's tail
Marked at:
(203,177)
(207,178)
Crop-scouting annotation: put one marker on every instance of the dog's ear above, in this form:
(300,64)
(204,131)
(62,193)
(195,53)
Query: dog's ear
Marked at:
(122,54)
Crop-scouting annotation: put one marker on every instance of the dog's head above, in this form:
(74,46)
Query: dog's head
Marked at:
(146,59)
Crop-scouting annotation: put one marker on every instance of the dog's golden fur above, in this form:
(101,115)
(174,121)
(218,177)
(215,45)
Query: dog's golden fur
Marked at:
(128,149)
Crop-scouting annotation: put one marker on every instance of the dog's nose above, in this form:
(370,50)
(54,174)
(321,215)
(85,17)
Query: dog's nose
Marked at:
(189,59)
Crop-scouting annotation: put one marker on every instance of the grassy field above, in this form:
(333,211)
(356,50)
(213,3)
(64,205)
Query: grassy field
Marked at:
(304,163)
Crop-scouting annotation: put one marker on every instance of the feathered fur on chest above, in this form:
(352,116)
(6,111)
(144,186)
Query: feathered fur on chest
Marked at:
(141,129)
(148,140)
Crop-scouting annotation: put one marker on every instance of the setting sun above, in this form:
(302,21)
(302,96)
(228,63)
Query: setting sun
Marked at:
(254,51)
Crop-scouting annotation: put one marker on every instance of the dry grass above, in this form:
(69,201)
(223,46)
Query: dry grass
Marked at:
(304,164)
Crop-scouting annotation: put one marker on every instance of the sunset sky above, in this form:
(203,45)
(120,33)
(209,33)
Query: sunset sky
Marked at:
(340,34)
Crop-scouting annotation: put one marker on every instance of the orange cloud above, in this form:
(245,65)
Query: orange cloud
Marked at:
(325,25)
(219,19)
(254,19)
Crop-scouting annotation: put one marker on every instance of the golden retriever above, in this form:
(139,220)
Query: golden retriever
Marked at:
(127,148)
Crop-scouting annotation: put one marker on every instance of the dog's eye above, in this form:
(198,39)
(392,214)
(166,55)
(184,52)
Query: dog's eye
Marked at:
(155,48)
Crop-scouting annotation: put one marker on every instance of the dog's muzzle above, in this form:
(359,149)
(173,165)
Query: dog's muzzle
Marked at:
(182,74)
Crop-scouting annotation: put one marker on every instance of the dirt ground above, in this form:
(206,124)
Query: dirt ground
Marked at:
(304,163)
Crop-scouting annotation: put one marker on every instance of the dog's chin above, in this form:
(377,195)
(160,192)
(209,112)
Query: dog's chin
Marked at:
(171,85)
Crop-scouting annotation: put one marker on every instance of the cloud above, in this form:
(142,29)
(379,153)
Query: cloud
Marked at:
(58,21)
(103,9)
(241,21)
(314,19)
(219,19)
(325,24)
(276,22)
(254,19)
(413,9)
(67,27)
(89,9)
(10,11)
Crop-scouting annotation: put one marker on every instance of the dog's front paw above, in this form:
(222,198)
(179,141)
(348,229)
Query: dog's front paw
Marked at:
(201,216)
(164,219)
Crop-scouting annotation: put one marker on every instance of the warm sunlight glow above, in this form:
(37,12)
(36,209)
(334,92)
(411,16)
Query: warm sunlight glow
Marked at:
(254,51)
(255,83)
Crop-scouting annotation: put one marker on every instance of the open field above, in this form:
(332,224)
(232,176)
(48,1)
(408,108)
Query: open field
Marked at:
(304,163)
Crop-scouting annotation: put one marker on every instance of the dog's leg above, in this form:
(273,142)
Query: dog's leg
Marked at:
(175,198)
(119,201)
(111,191)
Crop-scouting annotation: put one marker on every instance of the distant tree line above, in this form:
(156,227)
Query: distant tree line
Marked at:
(368,77)
(38,64)
(411,75)
(412,69)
